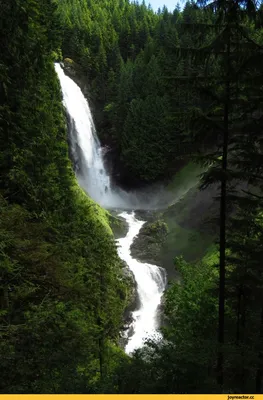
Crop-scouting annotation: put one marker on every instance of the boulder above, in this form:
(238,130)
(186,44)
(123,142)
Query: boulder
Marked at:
(147,245)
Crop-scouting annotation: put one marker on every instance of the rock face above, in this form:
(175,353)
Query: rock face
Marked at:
(186,228)
(74,71)
(133,300)
(161,318)
(70,67)
(196,210)
(147,246)
(118,225)
(132,304)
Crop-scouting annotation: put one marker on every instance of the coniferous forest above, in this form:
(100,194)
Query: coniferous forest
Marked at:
(166,89)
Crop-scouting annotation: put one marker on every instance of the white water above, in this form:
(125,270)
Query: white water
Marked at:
(94,178)
(151,281)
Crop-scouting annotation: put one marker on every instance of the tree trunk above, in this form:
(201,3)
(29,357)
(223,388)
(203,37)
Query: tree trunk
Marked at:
(243,328)
(259,374)
(222,257)
(238,316)
(101,325)
(101,356)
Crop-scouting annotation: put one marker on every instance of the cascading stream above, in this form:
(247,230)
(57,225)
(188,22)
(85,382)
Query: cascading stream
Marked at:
(93,177)
(151,281)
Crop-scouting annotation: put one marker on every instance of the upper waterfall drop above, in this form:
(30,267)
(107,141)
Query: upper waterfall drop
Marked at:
(93,176)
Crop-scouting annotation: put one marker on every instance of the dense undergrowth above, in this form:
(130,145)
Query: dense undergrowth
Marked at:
(62,290)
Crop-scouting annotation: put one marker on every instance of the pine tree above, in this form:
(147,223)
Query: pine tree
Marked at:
(220,99)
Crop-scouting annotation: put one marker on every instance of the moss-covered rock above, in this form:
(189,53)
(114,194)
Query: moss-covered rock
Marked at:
(75,72)
(131,291)
(192,224)
(147,245)
(71,67)
(187,227)
(132,302)
(118,225)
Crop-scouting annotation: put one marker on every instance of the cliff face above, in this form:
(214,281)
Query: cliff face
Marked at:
(76,73)
(187,227)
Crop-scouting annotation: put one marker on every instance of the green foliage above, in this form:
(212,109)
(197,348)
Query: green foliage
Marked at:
(190,243)
(164,87)
(184,361)
(124,50)
(147,118)
(213,341)
(62,290)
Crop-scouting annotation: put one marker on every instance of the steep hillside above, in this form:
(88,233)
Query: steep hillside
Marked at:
(62,287)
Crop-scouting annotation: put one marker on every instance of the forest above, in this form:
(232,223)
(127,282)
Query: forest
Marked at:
(166,88)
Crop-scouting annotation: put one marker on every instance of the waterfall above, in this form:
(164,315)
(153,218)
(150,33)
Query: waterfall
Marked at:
(93,177)
(151,282)
(91,173)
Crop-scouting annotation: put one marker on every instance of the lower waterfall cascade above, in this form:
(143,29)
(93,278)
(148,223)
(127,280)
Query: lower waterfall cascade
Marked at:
(94,179)
(151,282)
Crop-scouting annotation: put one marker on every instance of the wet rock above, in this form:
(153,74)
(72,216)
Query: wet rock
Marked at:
(126,332)
(147,215)
(129,321)
(70,67)
(133,302)
(118,225)
(147,245)
(161,318)
(75,72)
